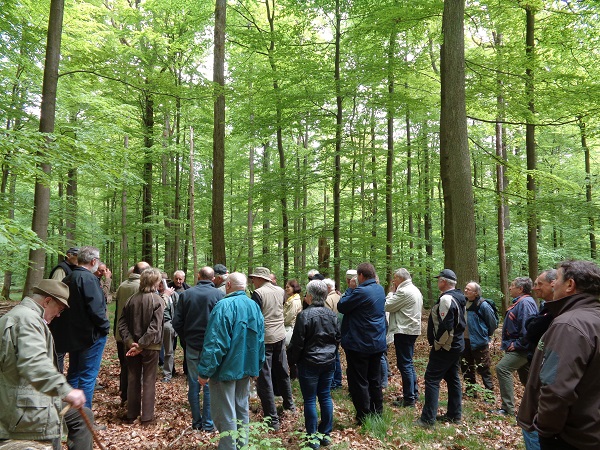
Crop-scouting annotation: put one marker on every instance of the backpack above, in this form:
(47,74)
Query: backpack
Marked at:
(492,305)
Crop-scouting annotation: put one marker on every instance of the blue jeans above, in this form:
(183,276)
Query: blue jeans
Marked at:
(315,381)
(405,350)
(84,366)
(199,421)
(336,381)
(231,406)
(531,439)
(442,365)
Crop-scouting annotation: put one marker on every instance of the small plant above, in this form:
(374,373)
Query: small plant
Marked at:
(257,434)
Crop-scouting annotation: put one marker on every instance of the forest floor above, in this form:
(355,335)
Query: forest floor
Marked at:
(480,429)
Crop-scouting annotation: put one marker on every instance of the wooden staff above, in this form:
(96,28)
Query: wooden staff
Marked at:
(87,423)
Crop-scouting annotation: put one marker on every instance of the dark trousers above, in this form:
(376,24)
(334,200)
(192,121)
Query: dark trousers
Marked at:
(442,365)
(476,361)
(141,388)
(554,443)
(364,382)
(405,350)
(336,382)
(275,366)
(79,437)
(123,385)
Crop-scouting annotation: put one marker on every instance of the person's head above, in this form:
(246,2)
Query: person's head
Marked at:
(520,286)
(150,279)
(71,256)
(292,287)
(330,284)
(316,292)
(260,276)
(446,280)
(273,278)
(178,278)
(221,273)
(472,291)
(101,270)
(89,257)
(140,267)
(312,273)
(401,275)
(543,286)
(206,273)
(236,281)
(350,273)
(163,282)
(577,277)
(365,271)
(53,296)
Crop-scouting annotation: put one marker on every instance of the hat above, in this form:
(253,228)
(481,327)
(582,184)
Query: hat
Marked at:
(73,251)
(319,276)
(55,289)
(220,269)
(447,273)
(261,272)
(350,273)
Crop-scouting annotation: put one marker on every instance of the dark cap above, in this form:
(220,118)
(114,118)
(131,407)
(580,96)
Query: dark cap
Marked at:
(447,273)
(220,269)
(73,251)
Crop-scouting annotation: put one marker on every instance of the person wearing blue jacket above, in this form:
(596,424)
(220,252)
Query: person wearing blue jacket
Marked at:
(233,351)
(514,342)
(363,339)
(481,324)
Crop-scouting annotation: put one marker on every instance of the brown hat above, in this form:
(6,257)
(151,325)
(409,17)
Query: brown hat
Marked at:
(261,272)
(55,289)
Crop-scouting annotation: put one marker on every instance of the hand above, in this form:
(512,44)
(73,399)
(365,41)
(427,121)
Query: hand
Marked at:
(511,347)
(107,274)
(76,398)
(169,291)
(353,283)
(202,381)
(134,350)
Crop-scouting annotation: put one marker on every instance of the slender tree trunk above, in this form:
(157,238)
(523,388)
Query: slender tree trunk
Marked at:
(218,186)
(337,174)
(411,226)
(124,243)
(192,210)
(266,224)
(532,221)
(250,231)
(373,149)
(389,170)
(588,189)
(41,202)
(455,163)
(148,120)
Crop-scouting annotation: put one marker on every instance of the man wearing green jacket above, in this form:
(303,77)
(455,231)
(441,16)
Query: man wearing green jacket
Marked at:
(31,388)
(233,351)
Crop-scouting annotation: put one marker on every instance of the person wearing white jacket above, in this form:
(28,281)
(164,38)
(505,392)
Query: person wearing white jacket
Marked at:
(404,303)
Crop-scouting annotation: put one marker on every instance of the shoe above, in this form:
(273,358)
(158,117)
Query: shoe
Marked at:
(325,441)
(148,423)
(335,386)
(166,380)
(403,404)
(99,427)
(128,420)
(99,387)
(501,412)
(445,418)
(421,423)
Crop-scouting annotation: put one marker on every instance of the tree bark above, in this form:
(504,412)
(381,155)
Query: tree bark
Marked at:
(41,202)
(148,122)
(218,186)
(337,174)
(532,221)
(192,210)
(588,189)
(455,163)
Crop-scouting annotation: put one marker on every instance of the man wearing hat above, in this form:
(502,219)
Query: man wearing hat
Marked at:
(29,380)
(65,267)
(445,335)
(270,298)
(221,274)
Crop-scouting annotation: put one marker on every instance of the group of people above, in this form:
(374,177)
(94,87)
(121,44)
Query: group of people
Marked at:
(230,337)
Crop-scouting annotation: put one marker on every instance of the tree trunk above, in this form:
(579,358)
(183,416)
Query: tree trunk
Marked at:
(192,210)
(218,186)
(337,174)
(389,170)
(532,221)
(41,201)
(588,189)
(455,163)
(148,121)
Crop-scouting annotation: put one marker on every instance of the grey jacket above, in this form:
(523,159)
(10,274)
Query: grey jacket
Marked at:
(31,388)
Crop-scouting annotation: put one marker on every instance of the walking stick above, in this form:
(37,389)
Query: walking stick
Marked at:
(88,425)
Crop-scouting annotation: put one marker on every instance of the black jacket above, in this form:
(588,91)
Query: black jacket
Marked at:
(80,325)
(316,337)
(192,311)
